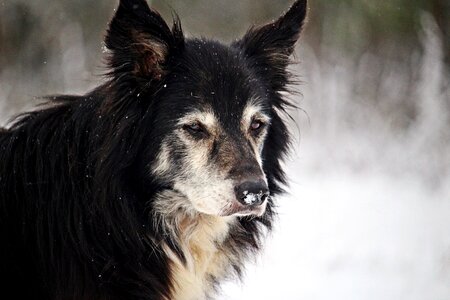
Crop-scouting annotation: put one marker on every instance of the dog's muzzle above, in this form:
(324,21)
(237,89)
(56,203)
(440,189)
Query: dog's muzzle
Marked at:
(252,193)
(250,198)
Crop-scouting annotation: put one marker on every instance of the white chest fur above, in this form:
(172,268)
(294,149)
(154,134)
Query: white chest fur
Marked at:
(200,240)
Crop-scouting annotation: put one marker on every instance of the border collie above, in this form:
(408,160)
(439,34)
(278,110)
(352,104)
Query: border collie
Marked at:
(157,184)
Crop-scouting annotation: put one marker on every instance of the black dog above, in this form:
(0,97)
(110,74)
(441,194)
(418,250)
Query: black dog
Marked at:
(157,184)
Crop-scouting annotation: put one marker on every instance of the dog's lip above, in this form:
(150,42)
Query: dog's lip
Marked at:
(239,209)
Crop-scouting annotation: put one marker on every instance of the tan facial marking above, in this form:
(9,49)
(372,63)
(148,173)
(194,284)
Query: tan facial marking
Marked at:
(206,118)
(209,194)
(254,111)
(162,163)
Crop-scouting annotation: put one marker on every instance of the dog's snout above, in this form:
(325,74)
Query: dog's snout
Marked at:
(252,192)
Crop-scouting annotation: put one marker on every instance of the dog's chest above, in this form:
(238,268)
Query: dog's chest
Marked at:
(206,260)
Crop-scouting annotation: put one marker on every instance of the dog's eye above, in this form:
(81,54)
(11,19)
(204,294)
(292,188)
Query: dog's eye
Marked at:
(256,126)
(196,129)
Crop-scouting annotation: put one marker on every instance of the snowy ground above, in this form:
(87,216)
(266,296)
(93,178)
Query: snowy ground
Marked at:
(346,235)
(368,215)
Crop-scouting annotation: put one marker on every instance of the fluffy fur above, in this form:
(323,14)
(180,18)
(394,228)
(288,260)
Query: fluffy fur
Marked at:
(132,191)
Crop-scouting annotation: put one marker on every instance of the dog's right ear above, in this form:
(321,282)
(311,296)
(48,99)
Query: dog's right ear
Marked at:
(140,42)
(269,47)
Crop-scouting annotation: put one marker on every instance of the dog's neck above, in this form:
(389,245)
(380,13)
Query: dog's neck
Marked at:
(199,237)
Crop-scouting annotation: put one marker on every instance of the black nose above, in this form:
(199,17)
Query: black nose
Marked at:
(252,192)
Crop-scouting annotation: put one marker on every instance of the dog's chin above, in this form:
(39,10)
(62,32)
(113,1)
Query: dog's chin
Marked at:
(240,210)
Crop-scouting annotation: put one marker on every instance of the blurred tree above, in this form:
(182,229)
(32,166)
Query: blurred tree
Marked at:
(35,35)
(352,25)
(441,12)
(358,26)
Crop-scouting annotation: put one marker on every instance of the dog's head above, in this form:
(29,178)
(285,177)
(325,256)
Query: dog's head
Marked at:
(215,133)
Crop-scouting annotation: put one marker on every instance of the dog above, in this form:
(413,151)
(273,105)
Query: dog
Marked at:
(158,184)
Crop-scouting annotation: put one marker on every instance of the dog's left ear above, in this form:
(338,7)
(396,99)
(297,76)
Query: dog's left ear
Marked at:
(270,46)
(141,42)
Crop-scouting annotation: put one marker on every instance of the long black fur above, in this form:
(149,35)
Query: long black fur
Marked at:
(75,191)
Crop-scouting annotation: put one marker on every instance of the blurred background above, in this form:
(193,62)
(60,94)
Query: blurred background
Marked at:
(368,211)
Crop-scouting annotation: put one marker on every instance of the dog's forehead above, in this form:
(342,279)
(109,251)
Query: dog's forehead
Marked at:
(218,79)
(211,117)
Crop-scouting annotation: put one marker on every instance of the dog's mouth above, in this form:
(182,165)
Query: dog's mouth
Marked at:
(249,205)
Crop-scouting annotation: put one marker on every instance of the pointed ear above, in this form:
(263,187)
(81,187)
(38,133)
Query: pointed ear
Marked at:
(270,46)
(140,41)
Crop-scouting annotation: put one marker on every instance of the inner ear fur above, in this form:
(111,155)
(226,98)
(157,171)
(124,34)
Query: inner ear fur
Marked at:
(269,46)
(140,41)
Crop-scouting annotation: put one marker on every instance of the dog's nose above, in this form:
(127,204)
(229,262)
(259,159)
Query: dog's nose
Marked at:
(252,192)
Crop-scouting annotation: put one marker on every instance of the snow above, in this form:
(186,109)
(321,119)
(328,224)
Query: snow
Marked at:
(251,198)
(368,213)
(353,235)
